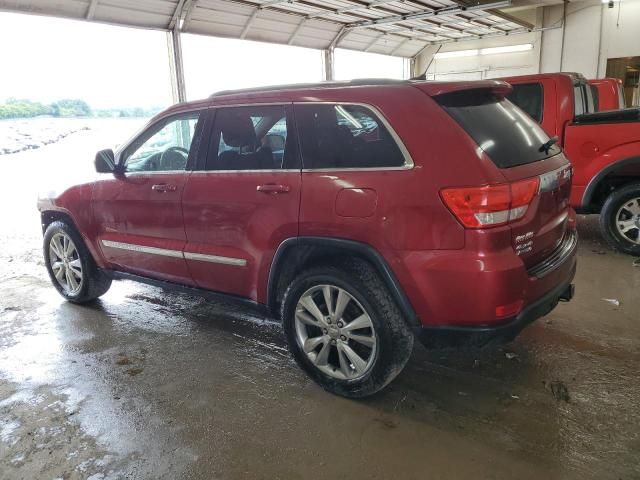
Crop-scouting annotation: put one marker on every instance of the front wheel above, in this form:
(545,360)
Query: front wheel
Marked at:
(344,329)
(70,265)
(620,219)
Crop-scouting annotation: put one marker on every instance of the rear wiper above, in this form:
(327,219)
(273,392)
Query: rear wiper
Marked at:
(546,146)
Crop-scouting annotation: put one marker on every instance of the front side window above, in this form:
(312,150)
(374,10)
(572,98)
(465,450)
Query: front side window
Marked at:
(345,136)
(251,138)
(164,147)
(528,96)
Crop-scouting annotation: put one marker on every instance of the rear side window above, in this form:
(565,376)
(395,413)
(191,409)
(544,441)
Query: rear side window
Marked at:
(504,132)
(345,136)
(252,138)
(528,96)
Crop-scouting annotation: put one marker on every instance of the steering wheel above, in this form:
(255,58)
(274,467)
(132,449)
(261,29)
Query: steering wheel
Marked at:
(173,158)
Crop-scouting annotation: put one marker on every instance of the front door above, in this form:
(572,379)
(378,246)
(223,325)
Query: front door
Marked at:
(138,212)
(243,201)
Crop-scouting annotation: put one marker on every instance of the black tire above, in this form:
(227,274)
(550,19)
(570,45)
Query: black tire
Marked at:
(94,282)
(394,338)
(608,219)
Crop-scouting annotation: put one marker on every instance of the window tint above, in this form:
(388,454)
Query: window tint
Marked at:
(528,96)
(251,138)
(164,147)
(504,132)
(345,136)
(596,97)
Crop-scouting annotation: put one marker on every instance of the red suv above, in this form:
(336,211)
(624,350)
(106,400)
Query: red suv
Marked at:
(362,213)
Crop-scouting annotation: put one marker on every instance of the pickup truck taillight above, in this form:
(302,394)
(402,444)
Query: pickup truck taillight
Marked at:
(490,205)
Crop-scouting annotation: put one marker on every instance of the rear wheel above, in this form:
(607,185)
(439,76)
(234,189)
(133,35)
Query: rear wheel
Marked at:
(345,330)
(71,268)
(620,219)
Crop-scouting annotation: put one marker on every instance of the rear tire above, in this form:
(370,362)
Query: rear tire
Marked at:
(358,352)
(620,219)
(71,267)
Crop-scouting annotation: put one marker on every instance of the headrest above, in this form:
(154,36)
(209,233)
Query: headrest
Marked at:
(237,130)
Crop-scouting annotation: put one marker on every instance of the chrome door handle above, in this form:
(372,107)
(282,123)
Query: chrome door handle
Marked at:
(163,187)
(273,188)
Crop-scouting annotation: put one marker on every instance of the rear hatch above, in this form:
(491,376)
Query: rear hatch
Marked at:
(537,176)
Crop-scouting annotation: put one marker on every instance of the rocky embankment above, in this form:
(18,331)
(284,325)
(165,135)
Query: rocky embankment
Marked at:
(29,134)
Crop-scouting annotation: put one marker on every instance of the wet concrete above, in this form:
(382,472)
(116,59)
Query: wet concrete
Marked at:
(149,384)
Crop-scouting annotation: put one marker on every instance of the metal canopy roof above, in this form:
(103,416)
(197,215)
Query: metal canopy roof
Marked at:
(392,27)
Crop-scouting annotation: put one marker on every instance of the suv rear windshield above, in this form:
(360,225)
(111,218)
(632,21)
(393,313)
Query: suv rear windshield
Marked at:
(505,133)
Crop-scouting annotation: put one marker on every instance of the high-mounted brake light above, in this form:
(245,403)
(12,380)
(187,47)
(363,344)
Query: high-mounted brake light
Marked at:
(491,205)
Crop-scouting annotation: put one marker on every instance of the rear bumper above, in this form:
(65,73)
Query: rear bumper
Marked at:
(450,336)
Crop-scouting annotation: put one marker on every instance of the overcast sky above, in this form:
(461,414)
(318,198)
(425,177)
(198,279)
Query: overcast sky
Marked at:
(46,59)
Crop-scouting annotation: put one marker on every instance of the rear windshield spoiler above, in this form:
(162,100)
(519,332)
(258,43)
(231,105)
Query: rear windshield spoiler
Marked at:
(435,89)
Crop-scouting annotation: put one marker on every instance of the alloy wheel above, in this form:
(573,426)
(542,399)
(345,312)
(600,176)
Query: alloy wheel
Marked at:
(65,263)
(335,332)
(628,220)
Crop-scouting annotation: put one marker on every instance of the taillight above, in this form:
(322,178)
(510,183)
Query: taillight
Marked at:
(490,205)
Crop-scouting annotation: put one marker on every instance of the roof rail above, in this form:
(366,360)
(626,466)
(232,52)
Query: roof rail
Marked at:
(304,86)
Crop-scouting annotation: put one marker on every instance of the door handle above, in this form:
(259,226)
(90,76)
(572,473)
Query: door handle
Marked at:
(163,187)
(273,188)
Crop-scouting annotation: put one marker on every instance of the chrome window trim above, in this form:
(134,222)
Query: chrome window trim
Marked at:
(155,172)
(408,160)
(215,172)
(240,262)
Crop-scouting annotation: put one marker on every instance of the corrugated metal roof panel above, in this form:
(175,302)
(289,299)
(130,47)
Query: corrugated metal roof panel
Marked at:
(307,23)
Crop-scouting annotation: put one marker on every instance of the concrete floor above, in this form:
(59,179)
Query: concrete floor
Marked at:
(147,384)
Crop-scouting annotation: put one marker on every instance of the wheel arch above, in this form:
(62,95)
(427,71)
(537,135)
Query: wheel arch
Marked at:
(47,217)
(295,253)
(614,175)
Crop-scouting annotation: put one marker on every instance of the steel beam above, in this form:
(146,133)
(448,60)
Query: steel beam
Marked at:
(296,31)
(91,10)
(174,47)
(399,46)
(176,15)
(247,25)
(373,42)
(422,14)
(328,64)
(188,11)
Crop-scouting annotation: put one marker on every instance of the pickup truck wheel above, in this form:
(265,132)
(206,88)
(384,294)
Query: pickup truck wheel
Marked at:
(70,265)
(620,219)
(344,329)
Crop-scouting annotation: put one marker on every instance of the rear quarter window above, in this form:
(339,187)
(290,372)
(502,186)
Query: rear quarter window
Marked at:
(508,135)
(340,136)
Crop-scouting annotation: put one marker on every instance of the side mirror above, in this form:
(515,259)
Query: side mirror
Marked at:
(105,161)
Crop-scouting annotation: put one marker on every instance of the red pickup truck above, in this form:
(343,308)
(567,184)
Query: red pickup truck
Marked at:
(607,93)
(603,147)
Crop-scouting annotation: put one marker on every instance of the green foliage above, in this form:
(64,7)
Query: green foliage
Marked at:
(14,108)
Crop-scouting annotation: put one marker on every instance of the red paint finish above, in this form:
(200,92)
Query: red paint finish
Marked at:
(591,148)
(450,274)
(356,202)
(227,215)
(610,94)
(128,209)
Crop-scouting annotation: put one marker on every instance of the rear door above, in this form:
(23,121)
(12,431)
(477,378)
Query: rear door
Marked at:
(521,150)
(243,200)
(138,212)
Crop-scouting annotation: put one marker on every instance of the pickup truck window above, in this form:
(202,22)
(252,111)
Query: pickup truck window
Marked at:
(528,96)
(503,131)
